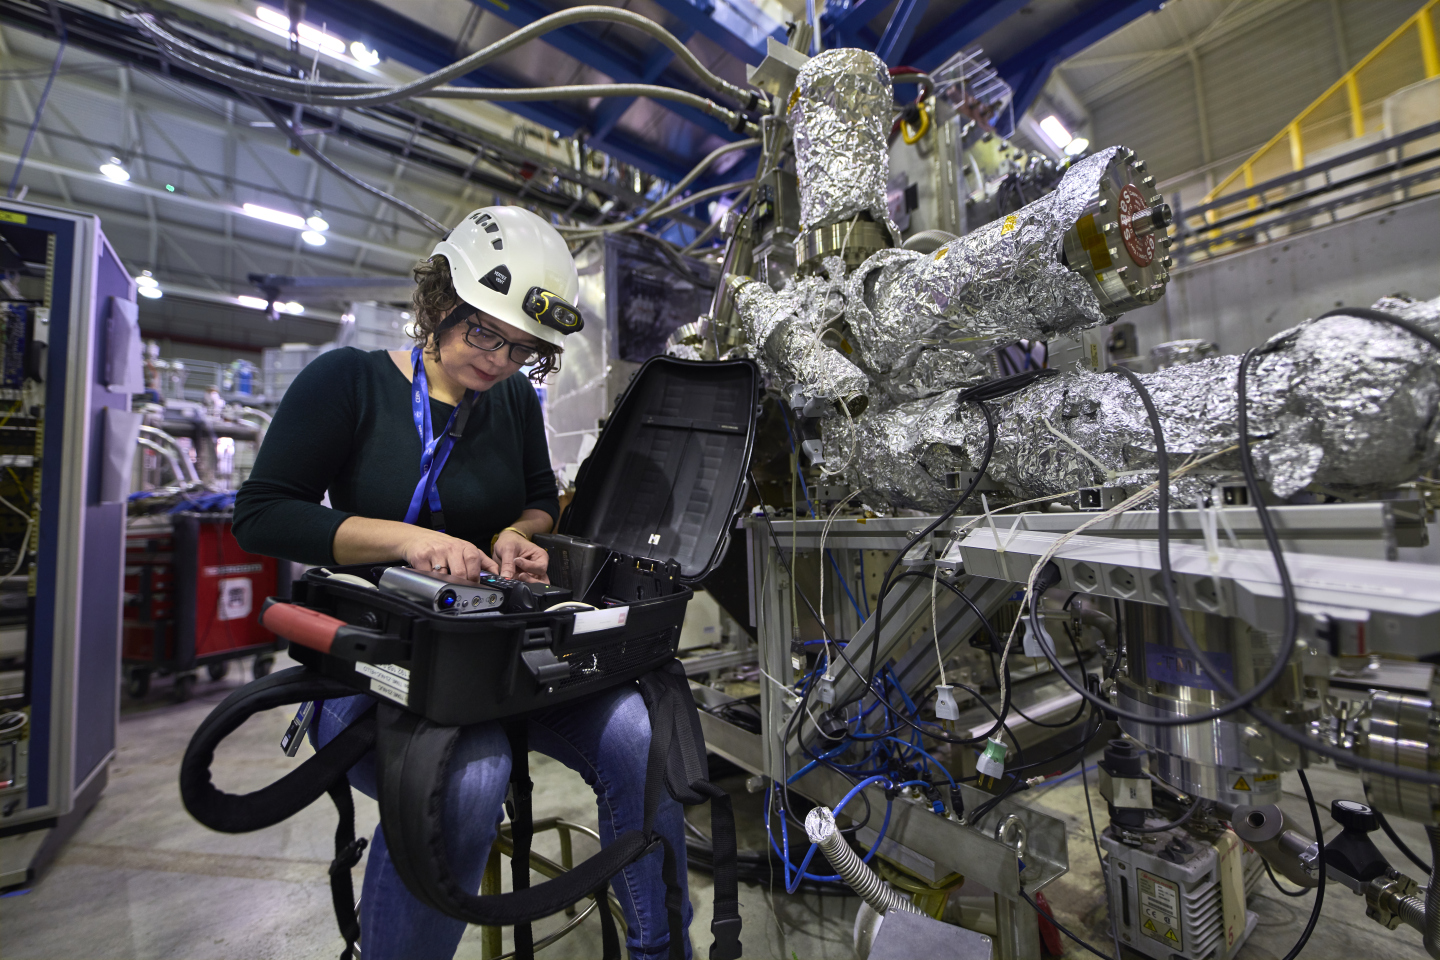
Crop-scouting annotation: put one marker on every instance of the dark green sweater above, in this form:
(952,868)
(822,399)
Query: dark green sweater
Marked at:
(345,426)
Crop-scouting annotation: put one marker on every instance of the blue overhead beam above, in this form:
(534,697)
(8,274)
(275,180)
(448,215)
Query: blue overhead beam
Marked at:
(575,41)
(1027,71)
(844,29)
(895,41)
(958,31)
(703,17)
(610,111)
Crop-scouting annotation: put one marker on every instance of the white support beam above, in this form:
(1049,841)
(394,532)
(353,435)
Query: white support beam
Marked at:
(215,206)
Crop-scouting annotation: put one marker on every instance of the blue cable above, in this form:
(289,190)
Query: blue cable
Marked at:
(926,755)
(792,883)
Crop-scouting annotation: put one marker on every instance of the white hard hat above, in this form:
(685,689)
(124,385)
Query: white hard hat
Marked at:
(515,267)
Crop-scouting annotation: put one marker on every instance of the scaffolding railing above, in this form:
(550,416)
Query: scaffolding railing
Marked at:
(1349,109)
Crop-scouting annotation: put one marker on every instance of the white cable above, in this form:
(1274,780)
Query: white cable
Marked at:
(825,532)
(20,560)
(935,628)
(1060,541)
(1104,470)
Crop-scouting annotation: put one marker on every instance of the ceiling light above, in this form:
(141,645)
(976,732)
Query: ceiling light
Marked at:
(1076,147)
(364,56)
(309,36)
(1056,131)
(146,280)
(318,222)
(347,318)
(291,307)
(151,293)
(275,216)
(114,171)
(313,238)
(254,303)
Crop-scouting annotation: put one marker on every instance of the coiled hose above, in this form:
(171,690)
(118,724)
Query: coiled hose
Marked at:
(821,829)
(928,241)
(1431,930)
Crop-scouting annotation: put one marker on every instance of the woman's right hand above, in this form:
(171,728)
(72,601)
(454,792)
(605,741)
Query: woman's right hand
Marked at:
(431,550)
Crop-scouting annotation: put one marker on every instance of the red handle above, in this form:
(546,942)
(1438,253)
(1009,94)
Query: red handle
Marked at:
(301,625)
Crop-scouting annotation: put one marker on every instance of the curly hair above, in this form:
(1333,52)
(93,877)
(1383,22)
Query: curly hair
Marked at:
(435,297)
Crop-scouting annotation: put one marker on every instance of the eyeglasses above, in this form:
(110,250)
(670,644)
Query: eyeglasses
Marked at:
(482,337)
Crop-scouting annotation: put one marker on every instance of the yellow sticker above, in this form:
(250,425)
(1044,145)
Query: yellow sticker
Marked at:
(8,216)
(845,347)
(1150,925)
(1266,777)
(1240,784)
(793,97)
(941,252)
(1011,222)
(1170,935)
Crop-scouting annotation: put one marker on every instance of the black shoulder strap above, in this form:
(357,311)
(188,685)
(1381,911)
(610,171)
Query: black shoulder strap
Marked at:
(413,762)
(323,773)
(687,776)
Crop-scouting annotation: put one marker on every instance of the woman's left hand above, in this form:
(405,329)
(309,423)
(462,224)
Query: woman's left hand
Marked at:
(520,559)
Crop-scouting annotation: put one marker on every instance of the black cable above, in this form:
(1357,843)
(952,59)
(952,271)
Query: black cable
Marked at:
(1400,845)
(995,642)
(966,396)
(1184,819)
(1289,893)
(1319,860)
(1062,928)
(1050,575)
(1100,859)
(1380,316)
(1272,540)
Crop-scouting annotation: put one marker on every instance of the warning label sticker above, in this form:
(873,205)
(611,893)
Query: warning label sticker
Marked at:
(1160,906)
(388,680)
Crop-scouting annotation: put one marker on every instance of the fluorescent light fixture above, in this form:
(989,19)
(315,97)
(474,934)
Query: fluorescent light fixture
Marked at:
(152,293)
(291,220)
(1076,147)
(292,307)
(318,222)
(314,238)
(146,280)
(309,36)
(363,55)
(114,171)
(254,303)
(1056,131)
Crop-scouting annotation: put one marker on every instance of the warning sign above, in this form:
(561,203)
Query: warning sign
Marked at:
(1160,906)
(1240,784)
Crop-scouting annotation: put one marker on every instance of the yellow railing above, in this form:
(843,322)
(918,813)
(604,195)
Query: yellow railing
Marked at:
(1343,111)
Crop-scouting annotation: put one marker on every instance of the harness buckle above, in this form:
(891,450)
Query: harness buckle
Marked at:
(727,938)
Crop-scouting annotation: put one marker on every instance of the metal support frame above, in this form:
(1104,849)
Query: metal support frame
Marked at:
(959,30)
(915,831)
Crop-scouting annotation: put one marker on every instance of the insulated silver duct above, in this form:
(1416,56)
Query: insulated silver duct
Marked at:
(840,118)
(821,829)
(1344,403)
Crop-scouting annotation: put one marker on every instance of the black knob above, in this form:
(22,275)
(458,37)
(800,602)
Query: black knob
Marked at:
(1124,759)
(1353,815)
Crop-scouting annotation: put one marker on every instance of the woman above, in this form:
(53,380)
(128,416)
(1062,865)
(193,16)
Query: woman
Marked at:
(428,480)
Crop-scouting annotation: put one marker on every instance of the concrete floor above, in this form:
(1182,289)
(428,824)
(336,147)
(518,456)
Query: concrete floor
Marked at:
(141,879)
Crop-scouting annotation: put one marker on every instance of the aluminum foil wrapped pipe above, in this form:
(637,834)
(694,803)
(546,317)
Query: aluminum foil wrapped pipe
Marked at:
(1431,930)
(840,118)
(1007,280)
(1344,403)
(784,332)
(820,827)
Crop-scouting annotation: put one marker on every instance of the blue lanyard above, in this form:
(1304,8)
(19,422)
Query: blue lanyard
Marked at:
(434,451)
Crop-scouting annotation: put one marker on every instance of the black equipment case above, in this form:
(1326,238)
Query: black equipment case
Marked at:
(666,480)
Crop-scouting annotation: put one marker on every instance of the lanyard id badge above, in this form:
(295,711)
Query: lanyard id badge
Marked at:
(434,451)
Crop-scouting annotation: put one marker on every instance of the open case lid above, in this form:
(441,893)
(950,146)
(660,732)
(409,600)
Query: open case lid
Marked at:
(667,475)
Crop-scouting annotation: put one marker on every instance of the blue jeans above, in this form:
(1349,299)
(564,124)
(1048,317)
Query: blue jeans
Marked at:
(605,739)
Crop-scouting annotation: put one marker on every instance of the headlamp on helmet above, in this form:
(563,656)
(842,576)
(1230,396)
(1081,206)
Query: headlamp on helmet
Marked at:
(550,310)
